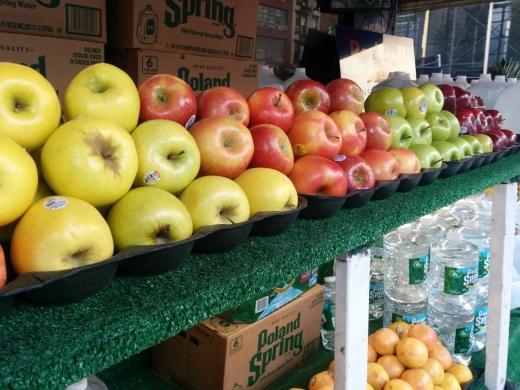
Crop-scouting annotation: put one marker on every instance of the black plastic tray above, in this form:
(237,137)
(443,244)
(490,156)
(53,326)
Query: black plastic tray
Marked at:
(358,198)
(498,155)
(451,169)
(488,157)
(321,207)
(477,162)
(271,224)
(510,150)
(384,189)
(222,238)
(431,174)
(408,182)
(466,165)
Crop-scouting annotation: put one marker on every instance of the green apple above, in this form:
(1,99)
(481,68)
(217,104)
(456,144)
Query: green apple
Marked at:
(401,131)
(421,131)
(441,128)
(434,97)
(414,102)
(103,91)
(93,159)
(148,216)
(485,142)
(386,101)
(454,123)
(465,149)
(29,106)
(429,157)
(60,233)
(168,155)
(448,151)
(18,180)
(215,200)
(267,190)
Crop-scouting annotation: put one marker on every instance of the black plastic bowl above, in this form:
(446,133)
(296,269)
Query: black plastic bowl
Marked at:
(499,154)
(358,198)
(222,238)
(451,169)
(477,162)
(431,174)
(271,224)
(408,182)
(466,165)
(488,157)
(321,207)
(384,189)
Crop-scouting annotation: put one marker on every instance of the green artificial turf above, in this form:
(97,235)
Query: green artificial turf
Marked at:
(49,347)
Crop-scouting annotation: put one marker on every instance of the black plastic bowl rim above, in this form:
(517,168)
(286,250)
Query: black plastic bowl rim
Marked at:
(384,189)
(408,182)
(477,162)
(321,207)
(274,223)
(466,164)
(431,174)
(451,169)
(498,155)
(358,198)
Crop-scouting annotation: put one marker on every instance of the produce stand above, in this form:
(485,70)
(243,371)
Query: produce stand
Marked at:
(49,347)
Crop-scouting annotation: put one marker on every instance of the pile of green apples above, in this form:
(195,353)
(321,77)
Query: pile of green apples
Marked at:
(419,123)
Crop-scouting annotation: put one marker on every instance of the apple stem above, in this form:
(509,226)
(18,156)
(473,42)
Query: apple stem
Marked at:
(426,128)
(279,98)
(226,217)
(363,129)
(174,156)
(167,228)
(502,120)
(435,162)
(333,136)
(407,137)
(18,107)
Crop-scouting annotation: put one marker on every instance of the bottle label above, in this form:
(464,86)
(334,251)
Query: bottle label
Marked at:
(480,324)
(458,281)
(483,265)
(328,317)
(463,339)
(418,270)
(376,295)
(412,320)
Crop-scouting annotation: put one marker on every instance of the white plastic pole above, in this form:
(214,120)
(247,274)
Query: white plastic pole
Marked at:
(488,38)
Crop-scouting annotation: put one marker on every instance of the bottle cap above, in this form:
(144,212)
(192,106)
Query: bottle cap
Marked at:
(399,74)
(329,279)
(454,236)
(512,80)
(485,77)
(423,77)
(405,228)
(300,70)
(427,220)
(436,74)
(471,223)
(446,76)
(462,203)
(81,385)
(500,78)
(444,211)
(461,78)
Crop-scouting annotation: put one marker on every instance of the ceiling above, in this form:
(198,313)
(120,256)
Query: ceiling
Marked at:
(423,5)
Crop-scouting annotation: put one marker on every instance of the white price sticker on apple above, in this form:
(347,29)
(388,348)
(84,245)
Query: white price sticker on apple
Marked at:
(190,122)
(151,177)
(391,111)
(340,157)
(55,203)
(463,130)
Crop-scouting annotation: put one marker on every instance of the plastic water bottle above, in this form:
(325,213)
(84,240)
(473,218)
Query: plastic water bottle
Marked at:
(299,74)
(383,83)
(266,78)
(472,233)
(511,80)
(436,79)
(462,82)
(501,80)
(446,219)
(409,80)
(406,264)
(423,79)
(462,210)
(452,293)
(398,81)
(487,90)
(428,228)
(507,104)
(483,217)
(447,79)
(376,297)
(90,383)
(328,317)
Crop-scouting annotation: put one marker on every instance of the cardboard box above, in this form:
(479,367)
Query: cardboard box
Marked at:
(264,304)
(199,72)
(84,20)
(216,28)
(58,60)
(216,354)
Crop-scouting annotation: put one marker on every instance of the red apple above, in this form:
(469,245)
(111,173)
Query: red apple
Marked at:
(316,175)
(353,132)
(497,118)
(511,137)
(480,102)
(226,146)
(315,133)
(490,123)
(408,161)
(503,141)
(384,165)
(473,103)
(379,130)
(272,149)
(222,102)
(270,106)
(308,95)
(164,96)
(461,97)
(358,172)
(480,120)
(496,140)
(450,100)
(345,94)
(468,123)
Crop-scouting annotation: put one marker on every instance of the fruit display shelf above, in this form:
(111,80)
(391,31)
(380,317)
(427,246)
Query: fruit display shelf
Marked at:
(49,347)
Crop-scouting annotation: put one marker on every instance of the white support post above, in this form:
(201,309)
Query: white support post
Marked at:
(502,248)
(350,341)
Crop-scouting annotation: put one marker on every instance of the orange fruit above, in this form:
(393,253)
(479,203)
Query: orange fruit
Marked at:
(392,366)
(442,355)
(424,333)
(385,340)
(332,366)
(403,335)
(326,387)
(399,327)
(372,354)
(461,372)
(450,382)
(376,376)
(324,378)
(412,352)
(418,378)
(434,368)
(369,387)
(371,339)
(397,384)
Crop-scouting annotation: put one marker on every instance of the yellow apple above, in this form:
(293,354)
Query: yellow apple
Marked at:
(60,233)
(214,200)
(148,216)
(267,190)
(103,91)
(29,106)
(168,156)
(91,159)
(18,180)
